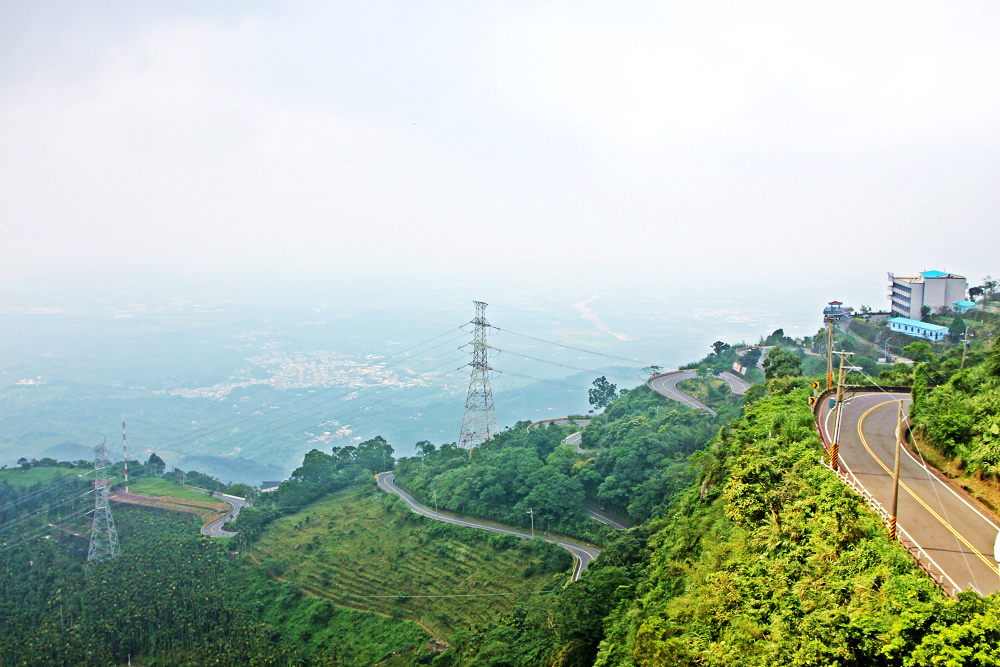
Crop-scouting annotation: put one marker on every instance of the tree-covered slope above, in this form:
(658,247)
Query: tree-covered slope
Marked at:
(961,417)
(633,462)
(766,558)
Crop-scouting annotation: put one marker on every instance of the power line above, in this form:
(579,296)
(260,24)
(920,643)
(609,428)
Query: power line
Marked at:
(538,379)
(11,523)
(568,347)
(554,363)
(309,418)
(44,490)
(319,398)
(7,546)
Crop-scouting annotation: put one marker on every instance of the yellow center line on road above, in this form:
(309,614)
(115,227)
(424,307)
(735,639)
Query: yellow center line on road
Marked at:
(684,399)
(914,495)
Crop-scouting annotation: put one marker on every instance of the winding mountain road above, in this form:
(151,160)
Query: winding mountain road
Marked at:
(582,553)
(214,529)
(951,531)
(665,384)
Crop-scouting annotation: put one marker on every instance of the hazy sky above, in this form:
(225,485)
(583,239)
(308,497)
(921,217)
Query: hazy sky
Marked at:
(798,146)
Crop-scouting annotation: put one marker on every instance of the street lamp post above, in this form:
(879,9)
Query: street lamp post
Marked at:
(532,513)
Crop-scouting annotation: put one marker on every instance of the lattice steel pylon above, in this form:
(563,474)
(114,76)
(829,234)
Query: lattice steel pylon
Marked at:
(103,536)
(480,421)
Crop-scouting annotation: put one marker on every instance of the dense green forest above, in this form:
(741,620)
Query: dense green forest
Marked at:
(766,558)
(173,597)
(633,461)
(958,411)
(166,597)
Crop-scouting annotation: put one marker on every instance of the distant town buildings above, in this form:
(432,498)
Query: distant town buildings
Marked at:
(931,332)
(934,289)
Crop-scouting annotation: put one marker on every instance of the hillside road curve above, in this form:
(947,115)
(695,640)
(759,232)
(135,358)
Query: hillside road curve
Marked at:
(582,553)
(214,529)
(956,534)
(665,384)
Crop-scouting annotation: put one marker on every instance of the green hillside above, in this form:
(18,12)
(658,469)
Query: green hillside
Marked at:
(21,478)
(363,549)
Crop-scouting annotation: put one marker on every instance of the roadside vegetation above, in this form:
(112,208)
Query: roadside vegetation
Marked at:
(765,556)
(957,413)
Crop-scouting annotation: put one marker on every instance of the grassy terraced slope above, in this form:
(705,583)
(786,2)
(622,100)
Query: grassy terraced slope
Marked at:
(157,486)
(365,550)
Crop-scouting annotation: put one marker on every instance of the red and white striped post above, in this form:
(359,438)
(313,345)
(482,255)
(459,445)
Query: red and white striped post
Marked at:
(125,455)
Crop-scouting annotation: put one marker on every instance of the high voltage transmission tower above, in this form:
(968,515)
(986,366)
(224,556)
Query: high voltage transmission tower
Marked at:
(103,536)
(480,421)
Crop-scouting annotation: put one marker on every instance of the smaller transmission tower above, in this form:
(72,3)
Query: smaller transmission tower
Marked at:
(480,421)
(103,536)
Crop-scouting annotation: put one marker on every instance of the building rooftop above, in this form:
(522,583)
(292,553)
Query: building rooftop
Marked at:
(940,274)
(964,304)
(923,276)
(916,324)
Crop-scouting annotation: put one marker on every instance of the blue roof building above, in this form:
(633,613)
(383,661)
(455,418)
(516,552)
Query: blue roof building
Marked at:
(937,290)
(962,306)
(931,332)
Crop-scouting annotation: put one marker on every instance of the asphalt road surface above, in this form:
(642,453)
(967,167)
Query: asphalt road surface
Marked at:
(214,529)
(666,385)
(955,533)
(736,383)
(581,552)
(598,515)
(575,439)
(560,421)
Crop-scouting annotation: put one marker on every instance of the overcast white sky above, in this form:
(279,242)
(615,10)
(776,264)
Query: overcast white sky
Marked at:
(742,143)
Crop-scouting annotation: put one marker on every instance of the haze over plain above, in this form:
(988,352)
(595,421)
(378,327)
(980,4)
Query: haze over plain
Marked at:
(709,158)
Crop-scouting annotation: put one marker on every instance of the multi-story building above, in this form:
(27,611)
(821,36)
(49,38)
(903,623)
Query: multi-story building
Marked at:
(935,289)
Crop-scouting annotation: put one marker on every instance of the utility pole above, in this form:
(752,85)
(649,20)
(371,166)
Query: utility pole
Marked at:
(435,502)
(895,473)
(829,354)
(479,423)
(835,447)
(103,536)
(532,513)
(965,344)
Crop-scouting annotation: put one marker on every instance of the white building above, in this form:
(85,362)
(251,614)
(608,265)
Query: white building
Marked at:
(935,289)
(931,332)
